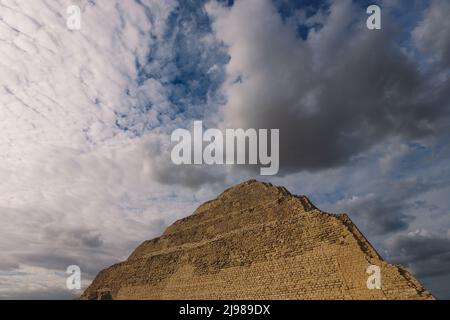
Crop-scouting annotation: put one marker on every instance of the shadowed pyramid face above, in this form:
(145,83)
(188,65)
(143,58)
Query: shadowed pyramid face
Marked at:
(257,241)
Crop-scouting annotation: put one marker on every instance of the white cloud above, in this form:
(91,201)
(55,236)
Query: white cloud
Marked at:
(432,34)
(35,283)
(393,153)
(74,188)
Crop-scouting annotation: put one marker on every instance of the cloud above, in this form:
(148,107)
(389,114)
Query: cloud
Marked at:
(393,154)
(426,254)
(377,215)
(405,196)
(334,95)
(30,283)
(431,35)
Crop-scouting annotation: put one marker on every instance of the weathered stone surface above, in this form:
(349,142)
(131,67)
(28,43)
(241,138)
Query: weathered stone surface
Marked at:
(255,241)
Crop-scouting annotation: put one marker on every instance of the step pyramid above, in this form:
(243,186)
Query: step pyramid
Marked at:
(256,241)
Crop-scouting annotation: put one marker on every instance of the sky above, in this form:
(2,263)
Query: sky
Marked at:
(86,117)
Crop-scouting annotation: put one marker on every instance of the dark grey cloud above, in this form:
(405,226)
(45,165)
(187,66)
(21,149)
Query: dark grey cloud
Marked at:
(376,215)
(192,177)
(334,96)
(73,237)
(158,156)
(59,260)
(426,254)
(383,204)
(92,241)
(7,265)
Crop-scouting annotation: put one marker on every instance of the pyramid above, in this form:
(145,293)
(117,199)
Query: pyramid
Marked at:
(256,241)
